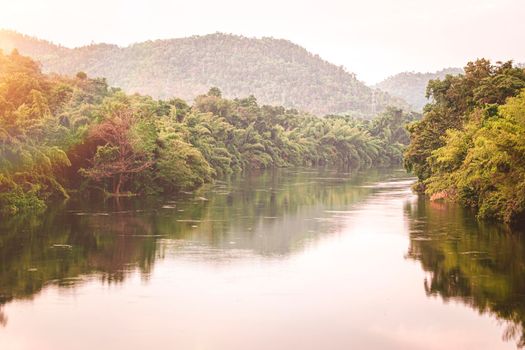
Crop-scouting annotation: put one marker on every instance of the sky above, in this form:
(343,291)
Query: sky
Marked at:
(372,38)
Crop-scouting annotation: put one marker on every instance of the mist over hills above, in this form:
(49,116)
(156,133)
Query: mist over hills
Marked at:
(275,71)
(411,86)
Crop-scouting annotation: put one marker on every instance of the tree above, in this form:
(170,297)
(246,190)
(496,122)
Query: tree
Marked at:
(454,99)
(81,75)
(117,157)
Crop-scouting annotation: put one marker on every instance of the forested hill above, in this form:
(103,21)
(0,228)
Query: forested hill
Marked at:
(411,86)
(278,72)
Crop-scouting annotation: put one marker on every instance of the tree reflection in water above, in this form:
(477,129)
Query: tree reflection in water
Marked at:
(3,318)
(270,214)
(479,264)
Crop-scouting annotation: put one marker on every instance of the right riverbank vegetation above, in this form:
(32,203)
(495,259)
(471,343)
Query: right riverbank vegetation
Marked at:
(76,135)
(470,144)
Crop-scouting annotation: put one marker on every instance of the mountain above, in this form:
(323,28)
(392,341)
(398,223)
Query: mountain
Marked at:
(276,71)
(411,86)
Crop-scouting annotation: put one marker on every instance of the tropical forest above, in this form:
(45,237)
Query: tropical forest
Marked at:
(63,135)
(266,175)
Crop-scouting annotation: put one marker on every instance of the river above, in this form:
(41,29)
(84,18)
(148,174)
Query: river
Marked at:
(284,259)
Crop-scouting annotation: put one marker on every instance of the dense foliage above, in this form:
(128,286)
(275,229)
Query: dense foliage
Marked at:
(470,144)
(35,131)
(411,86)
(278,72)
(59,135)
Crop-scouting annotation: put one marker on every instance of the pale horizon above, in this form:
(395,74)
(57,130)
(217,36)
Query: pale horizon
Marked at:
(374,40)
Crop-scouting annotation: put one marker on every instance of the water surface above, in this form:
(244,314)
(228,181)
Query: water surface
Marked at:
(287,259)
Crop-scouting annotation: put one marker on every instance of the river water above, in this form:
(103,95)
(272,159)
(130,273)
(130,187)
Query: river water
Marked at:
(285,259)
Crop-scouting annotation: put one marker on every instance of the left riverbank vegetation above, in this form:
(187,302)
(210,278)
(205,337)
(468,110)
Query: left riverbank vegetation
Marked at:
(470,144)
(62,135)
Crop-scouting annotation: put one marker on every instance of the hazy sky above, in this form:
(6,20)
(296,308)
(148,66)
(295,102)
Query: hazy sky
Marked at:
(373,38)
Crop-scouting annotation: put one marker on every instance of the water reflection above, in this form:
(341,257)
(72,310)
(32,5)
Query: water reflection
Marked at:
(480,265)
(271,214)
(303,259)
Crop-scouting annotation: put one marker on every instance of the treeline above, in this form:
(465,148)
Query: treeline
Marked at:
(60,135)
(277,72)
(470,144)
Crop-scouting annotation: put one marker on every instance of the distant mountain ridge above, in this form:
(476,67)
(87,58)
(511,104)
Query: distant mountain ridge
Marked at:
(275,71)
(411,86)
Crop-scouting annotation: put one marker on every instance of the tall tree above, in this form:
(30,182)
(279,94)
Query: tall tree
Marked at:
(117,157)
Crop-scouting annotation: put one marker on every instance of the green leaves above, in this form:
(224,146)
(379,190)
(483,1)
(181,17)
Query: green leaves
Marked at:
(458,100)
(483,165)
(58,133)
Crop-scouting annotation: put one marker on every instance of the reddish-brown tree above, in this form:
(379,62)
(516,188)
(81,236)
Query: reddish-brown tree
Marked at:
(116,157)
